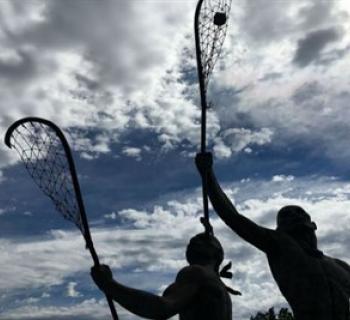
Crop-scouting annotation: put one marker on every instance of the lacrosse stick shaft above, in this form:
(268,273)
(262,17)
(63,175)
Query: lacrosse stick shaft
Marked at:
(200,78)
(109,299)
(203,150)
(87,235)
(97,263)
(90,247)
(204,113)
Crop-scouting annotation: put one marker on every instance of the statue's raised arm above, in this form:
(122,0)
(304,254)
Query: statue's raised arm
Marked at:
(258,236)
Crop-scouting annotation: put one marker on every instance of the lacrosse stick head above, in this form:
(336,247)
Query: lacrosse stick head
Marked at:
(46,155)
(210,29)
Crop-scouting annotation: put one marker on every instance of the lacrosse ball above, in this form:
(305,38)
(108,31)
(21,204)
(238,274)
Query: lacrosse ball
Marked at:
(219,18)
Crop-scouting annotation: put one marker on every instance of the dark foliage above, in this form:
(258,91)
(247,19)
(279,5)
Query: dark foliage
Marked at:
(283,314)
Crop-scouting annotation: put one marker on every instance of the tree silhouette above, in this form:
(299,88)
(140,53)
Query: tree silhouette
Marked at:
(283,314)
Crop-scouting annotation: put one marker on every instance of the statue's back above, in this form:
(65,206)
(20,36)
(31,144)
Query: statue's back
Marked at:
(212,302)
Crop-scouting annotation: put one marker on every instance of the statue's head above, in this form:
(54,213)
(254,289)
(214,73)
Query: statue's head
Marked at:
(205,249)
(296,222)
(294,217)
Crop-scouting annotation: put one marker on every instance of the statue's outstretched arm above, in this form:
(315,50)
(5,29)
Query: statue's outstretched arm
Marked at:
(142,303)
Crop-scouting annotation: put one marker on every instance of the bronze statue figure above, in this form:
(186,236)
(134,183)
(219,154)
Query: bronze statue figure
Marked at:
(197,293)
(316,286)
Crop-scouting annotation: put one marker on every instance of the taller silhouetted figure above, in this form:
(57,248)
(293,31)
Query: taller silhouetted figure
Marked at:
(316,286)
(197,293)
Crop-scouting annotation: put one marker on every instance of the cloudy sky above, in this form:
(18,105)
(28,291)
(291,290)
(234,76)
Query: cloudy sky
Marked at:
(119,77)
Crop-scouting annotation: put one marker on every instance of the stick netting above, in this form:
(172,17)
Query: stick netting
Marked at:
(211,35)
(44,156)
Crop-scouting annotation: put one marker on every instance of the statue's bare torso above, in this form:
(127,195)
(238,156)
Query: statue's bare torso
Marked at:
(211,301)
(315,287)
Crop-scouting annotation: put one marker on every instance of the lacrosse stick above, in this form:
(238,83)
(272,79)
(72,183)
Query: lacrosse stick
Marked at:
(47,157)
(210,26)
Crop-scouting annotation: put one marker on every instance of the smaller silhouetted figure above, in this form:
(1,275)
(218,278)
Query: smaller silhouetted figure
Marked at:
(316,286)
(197,293)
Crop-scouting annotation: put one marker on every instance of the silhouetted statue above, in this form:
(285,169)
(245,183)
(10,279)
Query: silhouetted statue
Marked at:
(316,286)
(197,293)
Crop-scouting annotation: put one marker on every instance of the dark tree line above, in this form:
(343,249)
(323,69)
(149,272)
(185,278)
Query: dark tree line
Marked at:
(283,314)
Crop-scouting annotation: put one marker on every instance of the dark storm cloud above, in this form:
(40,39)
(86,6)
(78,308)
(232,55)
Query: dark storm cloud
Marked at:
(263,23)
(271,76)
(316,14)
(310,47)
(23,68)
(69,23)
(90,84)
(306,92)
(114,37)
(76,26)
(334,55)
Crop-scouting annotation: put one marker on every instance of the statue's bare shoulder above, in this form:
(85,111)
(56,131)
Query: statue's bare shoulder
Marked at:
(193,273)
